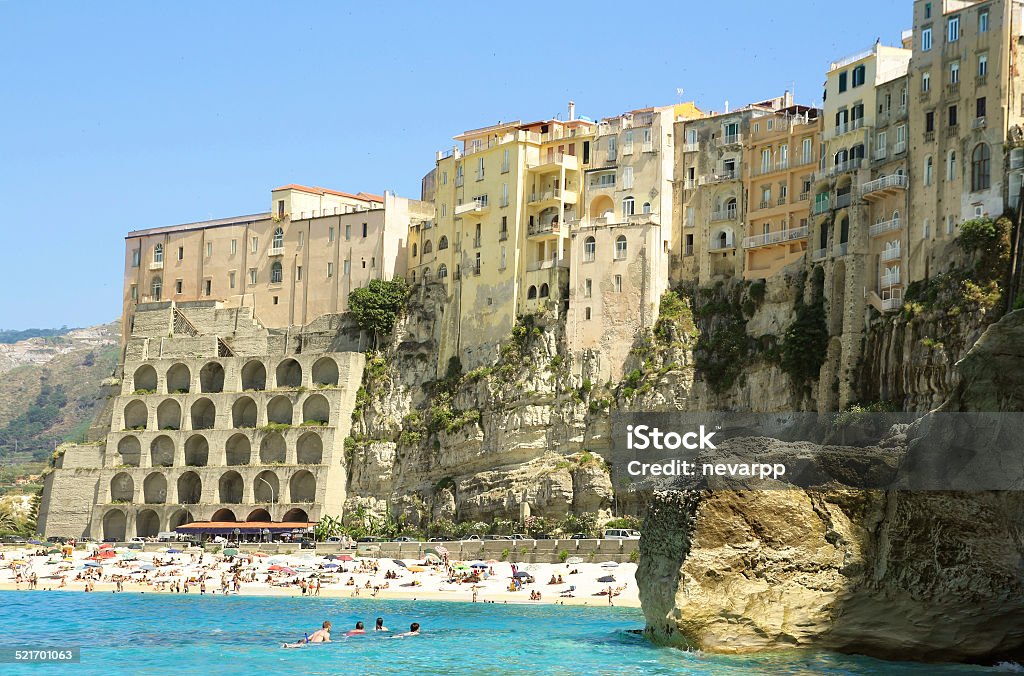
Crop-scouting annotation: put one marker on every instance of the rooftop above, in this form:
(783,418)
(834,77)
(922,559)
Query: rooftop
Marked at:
(200,225)
(316,190)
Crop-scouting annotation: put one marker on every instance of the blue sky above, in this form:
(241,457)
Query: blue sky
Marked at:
(123,115)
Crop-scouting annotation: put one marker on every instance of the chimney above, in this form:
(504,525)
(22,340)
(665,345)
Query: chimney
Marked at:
(572,110)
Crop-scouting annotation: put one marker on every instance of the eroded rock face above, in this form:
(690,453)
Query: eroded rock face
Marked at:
(896,574)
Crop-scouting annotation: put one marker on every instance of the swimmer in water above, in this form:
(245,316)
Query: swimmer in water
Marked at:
(380,625)
(414,630)
(357,631)
(322,635)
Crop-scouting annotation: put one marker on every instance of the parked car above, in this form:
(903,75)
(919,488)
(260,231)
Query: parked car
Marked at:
(474,538)
(137,539)
(519,536)
(55,539)
(333,539)
(621,534)
(496,537)
(580,536)
(404,538)
(307,543)
(86,541)
(370,539)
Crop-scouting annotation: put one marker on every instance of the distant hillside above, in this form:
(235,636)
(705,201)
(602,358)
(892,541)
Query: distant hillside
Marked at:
(8,336)
(49,391)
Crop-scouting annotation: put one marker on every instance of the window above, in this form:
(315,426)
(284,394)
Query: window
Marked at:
(926,82)
(589,249)
(628,207)
(901,138)
(983,21)
(178,285)
(346,267)
(231,279)
(689,217)
(276,299)
(504,194)
(330,270)
(414,249)
(806,156)
(444,178)
(330,234)
(428,247)
(627,143)
(954,72)
(234,247)
(982,65)
(611,148)
(981,160)
(586,313)
(252,275)
(627,178)
(953,29)
(135,292)
(927,10)
(928,167)
(925,229)
(620,247)
(209,249)
(648,141)
(545,291)
(254,244)
(504,170)
(783,157)
(979,107)
(588,288)
(479,171)
(858,76)
(208,287)
(158,253)
(181,253)
(280,208)
(442,271)
(278,241)
(156,288)
(903,97)
(298,273)
(364,229)
(442,243)
(926,39)
(842,82)
(949,225)
(951,166)
(136,257)
(929,121)
(276,273)
(646,208)
(688,251)
(348,230)
(880,144)
(952,116)
(766,160)
(617,284)
(503,258)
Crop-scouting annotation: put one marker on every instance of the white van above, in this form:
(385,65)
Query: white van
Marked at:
(168,537)
(621,534)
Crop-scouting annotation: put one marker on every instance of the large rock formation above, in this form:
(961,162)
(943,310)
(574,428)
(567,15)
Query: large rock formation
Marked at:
(928,575)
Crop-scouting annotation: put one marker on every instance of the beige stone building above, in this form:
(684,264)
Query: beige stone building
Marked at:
(290,265)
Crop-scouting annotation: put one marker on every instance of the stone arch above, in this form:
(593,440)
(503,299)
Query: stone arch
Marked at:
(273,449)
(238,450)
(266,488)
(115,525)
(254,376)
(204,414)
(147,523)
(122,488)
(211,378)
(197,451)
(279,411)
(144,379)
(531,293)
(136,415)
(545,291)
(325,372)
(442,243)
(223,515)
(259,515)
(154,489)
(316,408)
(844,228)
(309,449)
(296,514)
(302,487)
(129,451)
(837,304)
(231,488)
(244,413)
(190,489)
(168,415)
(289,374)
(179,379)
(180,518)
(601,205)
(161,451)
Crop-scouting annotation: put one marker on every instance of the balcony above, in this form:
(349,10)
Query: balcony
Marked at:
(721,177)
(929,136)
(722,244)
(890,279)
(730,139)
(899,148)
(890,254)
(842,249)
(843,200)
(543,229)
(886,185)
(156,265)
(882,228)
(691,147)
(276,251)
(648,147)
(781,201)
(555,162)
(474,207)
(604,182)
(953,131)
(552,196)
(978,123)
(459,180)
(781,165)
(892,300)
(821,205)
(503,235)
(804,196)
(690,184)
(779,237)
(880,153)
(764,204)
(819,254)
(727,214)
(849,165)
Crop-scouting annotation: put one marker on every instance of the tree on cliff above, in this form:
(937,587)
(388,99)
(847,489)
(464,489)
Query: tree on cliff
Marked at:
(377,305)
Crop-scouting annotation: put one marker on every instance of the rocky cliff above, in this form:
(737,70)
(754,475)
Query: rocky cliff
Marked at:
(901,574)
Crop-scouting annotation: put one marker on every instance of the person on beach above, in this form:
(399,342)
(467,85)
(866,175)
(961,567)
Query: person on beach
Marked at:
(414,630)
(380,625)
(322,635)
(357,631)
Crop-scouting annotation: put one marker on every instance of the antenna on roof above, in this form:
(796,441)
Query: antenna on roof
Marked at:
(679,93)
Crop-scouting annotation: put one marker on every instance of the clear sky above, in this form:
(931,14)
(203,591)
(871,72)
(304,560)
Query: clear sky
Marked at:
(123,115)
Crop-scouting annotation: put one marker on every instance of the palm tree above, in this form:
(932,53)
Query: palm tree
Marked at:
(8,524)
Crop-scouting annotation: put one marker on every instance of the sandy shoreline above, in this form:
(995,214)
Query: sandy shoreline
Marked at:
(143,572)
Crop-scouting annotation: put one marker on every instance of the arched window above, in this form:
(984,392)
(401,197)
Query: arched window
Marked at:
(730,208)
(426,275)
(896,215)
(981,167)
(158,253)
(156,288)
(427,247)
(276,274)
(951,166)
(278,238)
(857,152)
(841,157)
(589,249)
(414,249)
(442,270)
(544,291)
(442,243)
(413,281)
(929,166)
(628,207)
(620,247)
(531,293)
(646,208)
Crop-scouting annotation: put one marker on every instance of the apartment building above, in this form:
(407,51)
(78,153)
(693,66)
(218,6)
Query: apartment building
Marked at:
(292,264)
(781,156)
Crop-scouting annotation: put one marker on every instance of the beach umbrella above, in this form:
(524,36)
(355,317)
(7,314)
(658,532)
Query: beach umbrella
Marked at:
(398,562)
(416,569)
(147,566)
(609,564)
(259,554)
(492,561)
(174,551)
(34,542)
(53,551)
(276,567)
(479,565)
(230,551)
(441,550)
(106,545)
(345,557)
(92,564)
(129,556)
(522,573)
(107,554)
(332,557)
(432,558)
(331,565)
(606,578)
(574,560)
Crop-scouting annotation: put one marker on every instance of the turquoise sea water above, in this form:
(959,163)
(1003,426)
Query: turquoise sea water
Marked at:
(167,634)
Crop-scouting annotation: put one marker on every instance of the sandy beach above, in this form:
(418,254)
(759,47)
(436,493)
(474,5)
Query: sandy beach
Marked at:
(172,571)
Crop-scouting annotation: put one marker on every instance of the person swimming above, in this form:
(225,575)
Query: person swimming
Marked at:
(414,630)
(380,625)
(322,635)
(358,630)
